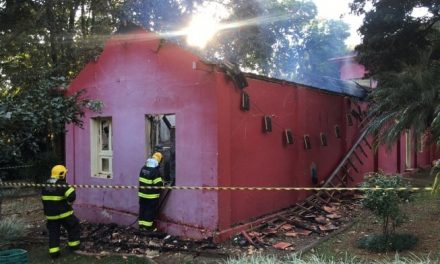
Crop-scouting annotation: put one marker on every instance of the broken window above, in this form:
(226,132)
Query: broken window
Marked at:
(161,136)
(101,147)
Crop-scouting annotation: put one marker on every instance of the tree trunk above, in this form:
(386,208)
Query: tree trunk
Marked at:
(50,18)
(1,201)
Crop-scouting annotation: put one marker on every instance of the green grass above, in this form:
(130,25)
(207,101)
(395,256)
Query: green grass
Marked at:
(313,259)
(40,255)
(11,228)
(395,242)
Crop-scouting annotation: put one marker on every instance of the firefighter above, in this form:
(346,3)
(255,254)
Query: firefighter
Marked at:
(149,198)
(57,204)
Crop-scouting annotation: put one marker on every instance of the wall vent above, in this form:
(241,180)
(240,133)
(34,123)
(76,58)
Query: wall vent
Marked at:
(288,137)
(245,106)
(267,124)
(307,144)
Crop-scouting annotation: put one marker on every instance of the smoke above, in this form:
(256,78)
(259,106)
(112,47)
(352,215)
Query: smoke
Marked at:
(280,39)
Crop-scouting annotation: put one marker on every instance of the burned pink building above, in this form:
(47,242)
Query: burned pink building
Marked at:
(221,132)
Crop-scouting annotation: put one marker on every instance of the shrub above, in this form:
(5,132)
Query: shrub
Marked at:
(382,243)
(385,203)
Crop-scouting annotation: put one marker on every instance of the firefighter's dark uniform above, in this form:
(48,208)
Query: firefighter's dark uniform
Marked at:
(58,210)
(149,198)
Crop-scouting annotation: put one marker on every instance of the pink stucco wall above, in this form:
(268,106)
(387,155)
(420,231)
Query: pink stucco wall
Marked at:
(255,158)
(133,80)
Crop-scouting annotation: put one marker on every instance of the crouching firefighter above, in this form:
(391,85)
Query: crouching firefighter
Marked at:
(149,198)
(57,204)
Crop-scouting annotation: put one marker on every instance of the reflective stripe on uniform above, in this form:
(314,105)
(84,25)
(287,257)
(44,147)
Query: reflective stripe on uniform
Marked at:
(69,191)
(73,243)
(157,180)
(54,250)
(145,223)
(149,196)
(52,198)
(60,216)
(146,181)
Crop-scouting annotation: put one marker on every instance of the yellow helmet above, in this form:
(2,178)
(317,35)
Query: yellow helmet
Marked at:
(58,172)
(157,156)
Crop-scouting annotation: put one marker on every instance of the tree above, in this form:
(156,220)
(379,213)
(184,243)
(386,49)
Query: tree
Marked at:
(44,44)
(402,52)
(293,45)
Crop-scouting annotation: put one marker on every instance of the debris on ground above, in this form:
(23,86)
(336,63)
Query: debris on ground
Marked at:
(288,231)
(294,227)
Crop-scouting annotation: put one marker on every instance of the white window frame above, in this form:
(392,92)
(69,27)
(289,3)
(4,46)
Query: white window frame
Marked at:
(97,153)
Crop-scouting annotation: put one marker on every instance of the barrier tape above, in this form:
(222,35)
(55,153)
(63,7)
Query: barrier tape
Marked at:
(213,188)
(16,167)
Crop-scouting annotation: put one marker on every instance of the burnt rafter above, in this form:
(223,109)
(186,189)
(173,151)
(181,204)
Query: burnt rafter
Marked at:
(234,72)
(346,160)
(362,151)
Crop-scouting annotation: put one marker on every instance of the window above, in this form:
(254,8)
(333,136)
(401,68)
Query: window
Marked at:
(420,140)
(307,144)
(288,137)
(323,139)
(267,124)
(160,135)
(245,105)
(101,147)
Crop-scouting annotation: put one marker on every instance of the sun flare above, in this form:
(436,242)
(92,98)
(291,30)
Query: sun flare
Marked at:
(201,29)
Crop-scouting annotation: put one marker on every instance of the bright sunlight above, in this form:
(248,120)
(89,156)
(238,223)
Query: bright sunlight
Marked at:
(201,29)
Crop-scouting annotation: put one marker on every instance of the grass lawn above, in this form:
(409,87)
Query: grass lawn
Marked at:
(39,255)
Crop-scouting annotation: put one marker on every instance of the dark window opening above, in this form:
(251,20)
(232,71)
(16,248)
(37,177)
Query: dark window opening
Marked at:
(267,124)
(161,136)
(323,139)
(288,137)
(307,144)
(244,102)
(337,132)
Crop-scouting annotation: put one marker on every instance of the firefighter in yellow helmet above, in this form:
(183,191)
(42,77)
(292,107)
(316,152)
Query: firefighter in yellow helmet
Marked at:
(57,204)
(149,198)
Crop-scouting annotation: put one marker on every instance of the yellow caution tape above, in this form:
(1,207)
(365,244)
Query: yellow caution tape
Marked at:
(212,188)
(17,167)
